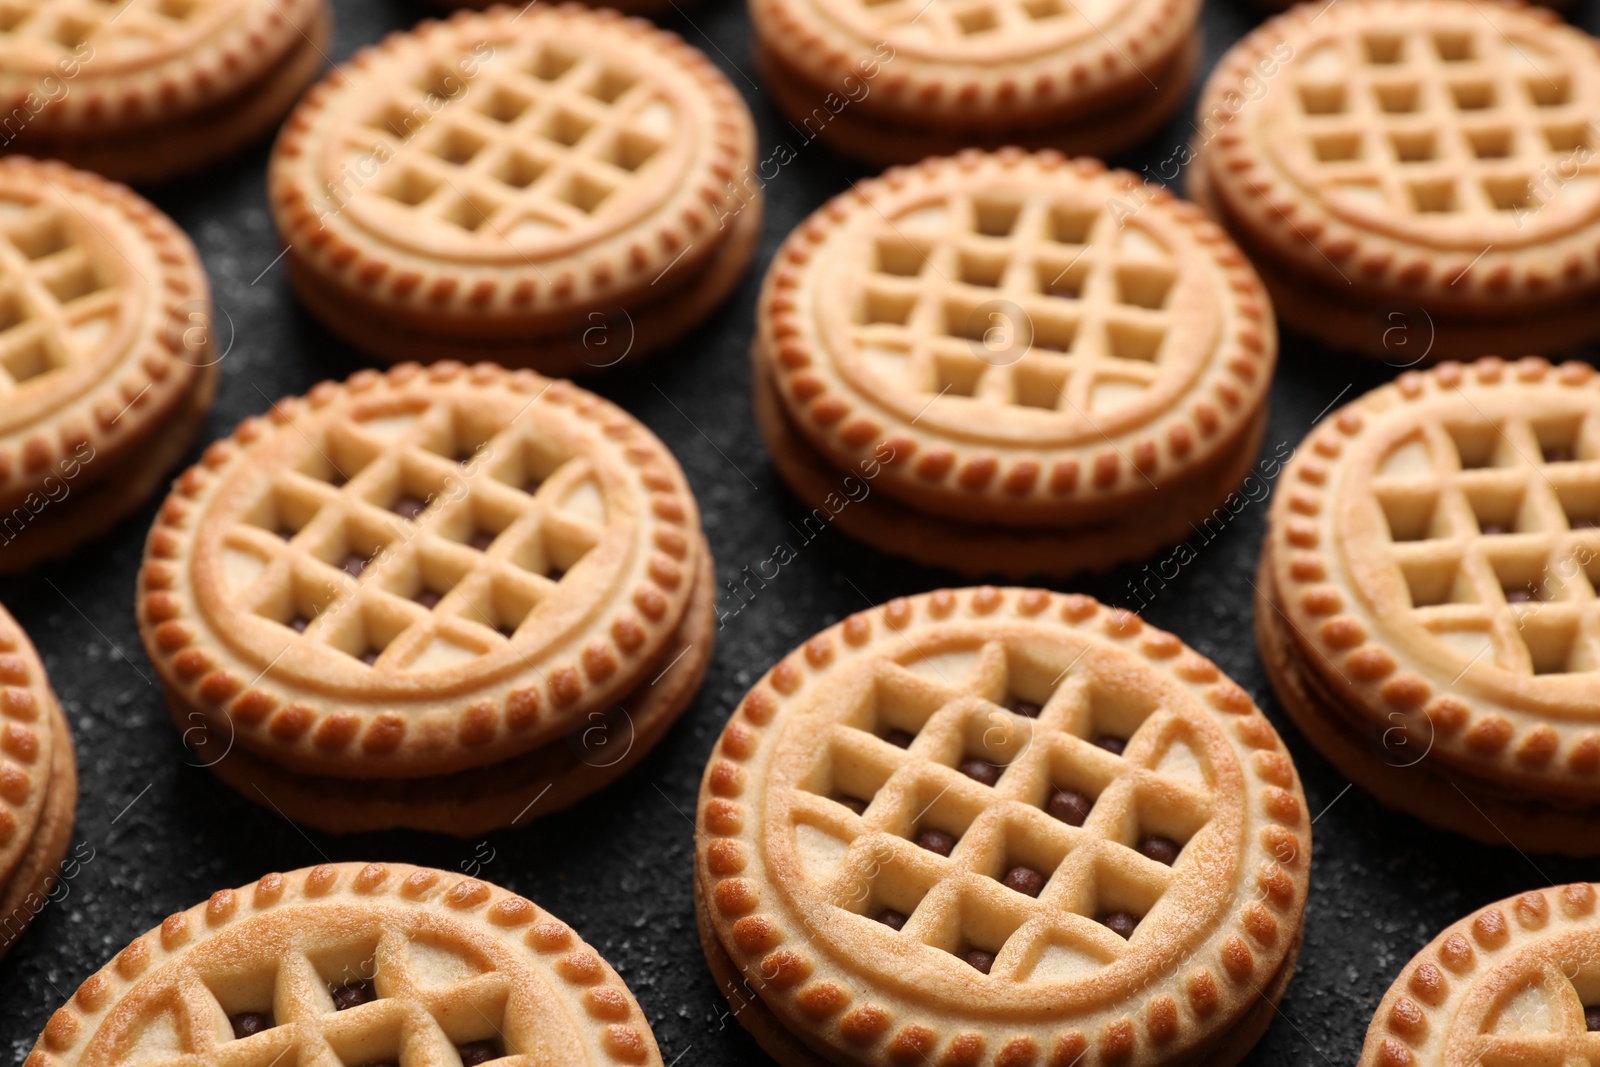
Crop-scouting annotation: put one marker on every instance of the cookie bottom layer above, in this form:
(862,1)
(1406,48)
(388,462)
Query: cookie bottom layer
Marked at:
(1095,131)
(781,1044)
(512,792)
(593,343)
(26,889)
(124,482)
(1437,798)
(196,141)
(1362,326)
(976,550)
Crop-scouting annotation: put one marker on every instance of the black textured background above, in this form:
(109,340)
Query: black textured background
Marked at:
(164,834)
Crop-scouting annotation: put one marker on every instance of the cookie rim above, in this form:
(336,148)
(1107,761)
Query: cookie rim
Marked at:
(27,742)
(152,373)
(1386,682)
(1227,392)
(1402,1023)
(325,734)
(354,261)
(725,845)
(828,54)
(579,972)
(1287,223)
(248,46)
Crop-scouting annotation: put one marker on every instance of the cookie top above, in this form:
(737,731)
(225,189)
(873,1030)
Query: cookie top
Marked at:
(975,61)
(418,571)
(105,319)
(1020,336)
(1030,730)
(1446,147)
(512,163)
(78,67)
(354,963)
(1510,983)
(1435,547)
(27,742)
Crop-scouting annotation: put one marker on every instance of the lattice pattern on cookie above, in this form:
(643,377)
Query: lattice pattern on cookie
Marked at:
(56,301)
(1058,794)
(1493,526)
(1441,117)
(539,138)
(342,998)
(989,20)
(55,27)
(939,310)
(418,540)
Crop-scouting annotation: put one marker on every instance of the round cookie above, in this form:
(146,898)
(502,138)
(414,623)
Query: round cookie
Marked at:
(1426,606)
(148,91)
(1514,982)
(552,187)
(107,364)
(1000,825)
(1024,350)
(1432,157)
(428,598)
(433,968)
(38,784)
(892,82)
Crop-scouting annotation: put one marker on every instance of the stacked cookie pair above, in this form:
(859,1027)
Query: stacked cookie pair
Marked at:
(1012,363)
(544,186)
(1414,179)
(1427,609)
(1000,826)
(143,91)
(893,81)
(447,598)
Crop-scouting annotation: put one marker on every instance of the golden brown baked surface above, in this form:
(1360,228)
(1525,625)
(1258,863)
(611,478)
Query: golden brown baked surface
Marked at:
(1002,822)
(362,963)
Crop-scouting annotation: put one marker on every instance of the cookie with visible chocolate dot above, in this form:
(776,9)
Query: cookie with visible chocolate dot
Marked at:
(496,656)
(1425,594)
(423,965)
(995,890)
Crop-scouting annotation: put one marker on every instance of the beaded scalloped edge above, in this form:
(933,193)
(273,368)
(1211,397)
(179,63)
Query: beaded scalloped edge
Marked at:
(608,1005)
(1229,393)
(1317,605)
(152,374)
(26,704)
(248,47)
(177,644)
(765,941)
(1286,220)
(806,39)
(1464,950)
(630,257)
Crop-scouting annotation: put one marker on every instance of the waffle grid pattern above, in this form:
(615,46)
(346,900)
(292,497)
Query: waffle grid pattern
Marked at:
(988,20)
(959,903)
(538,142)
(1459,122)
(444,962)
(485,529)
(1092,294)
(412,1017)
(1493,527)
(55,303)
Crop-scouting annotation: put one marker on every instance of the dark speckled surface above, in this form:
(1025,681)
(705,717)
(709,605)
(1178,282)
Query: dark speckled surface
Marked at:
(164,834)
